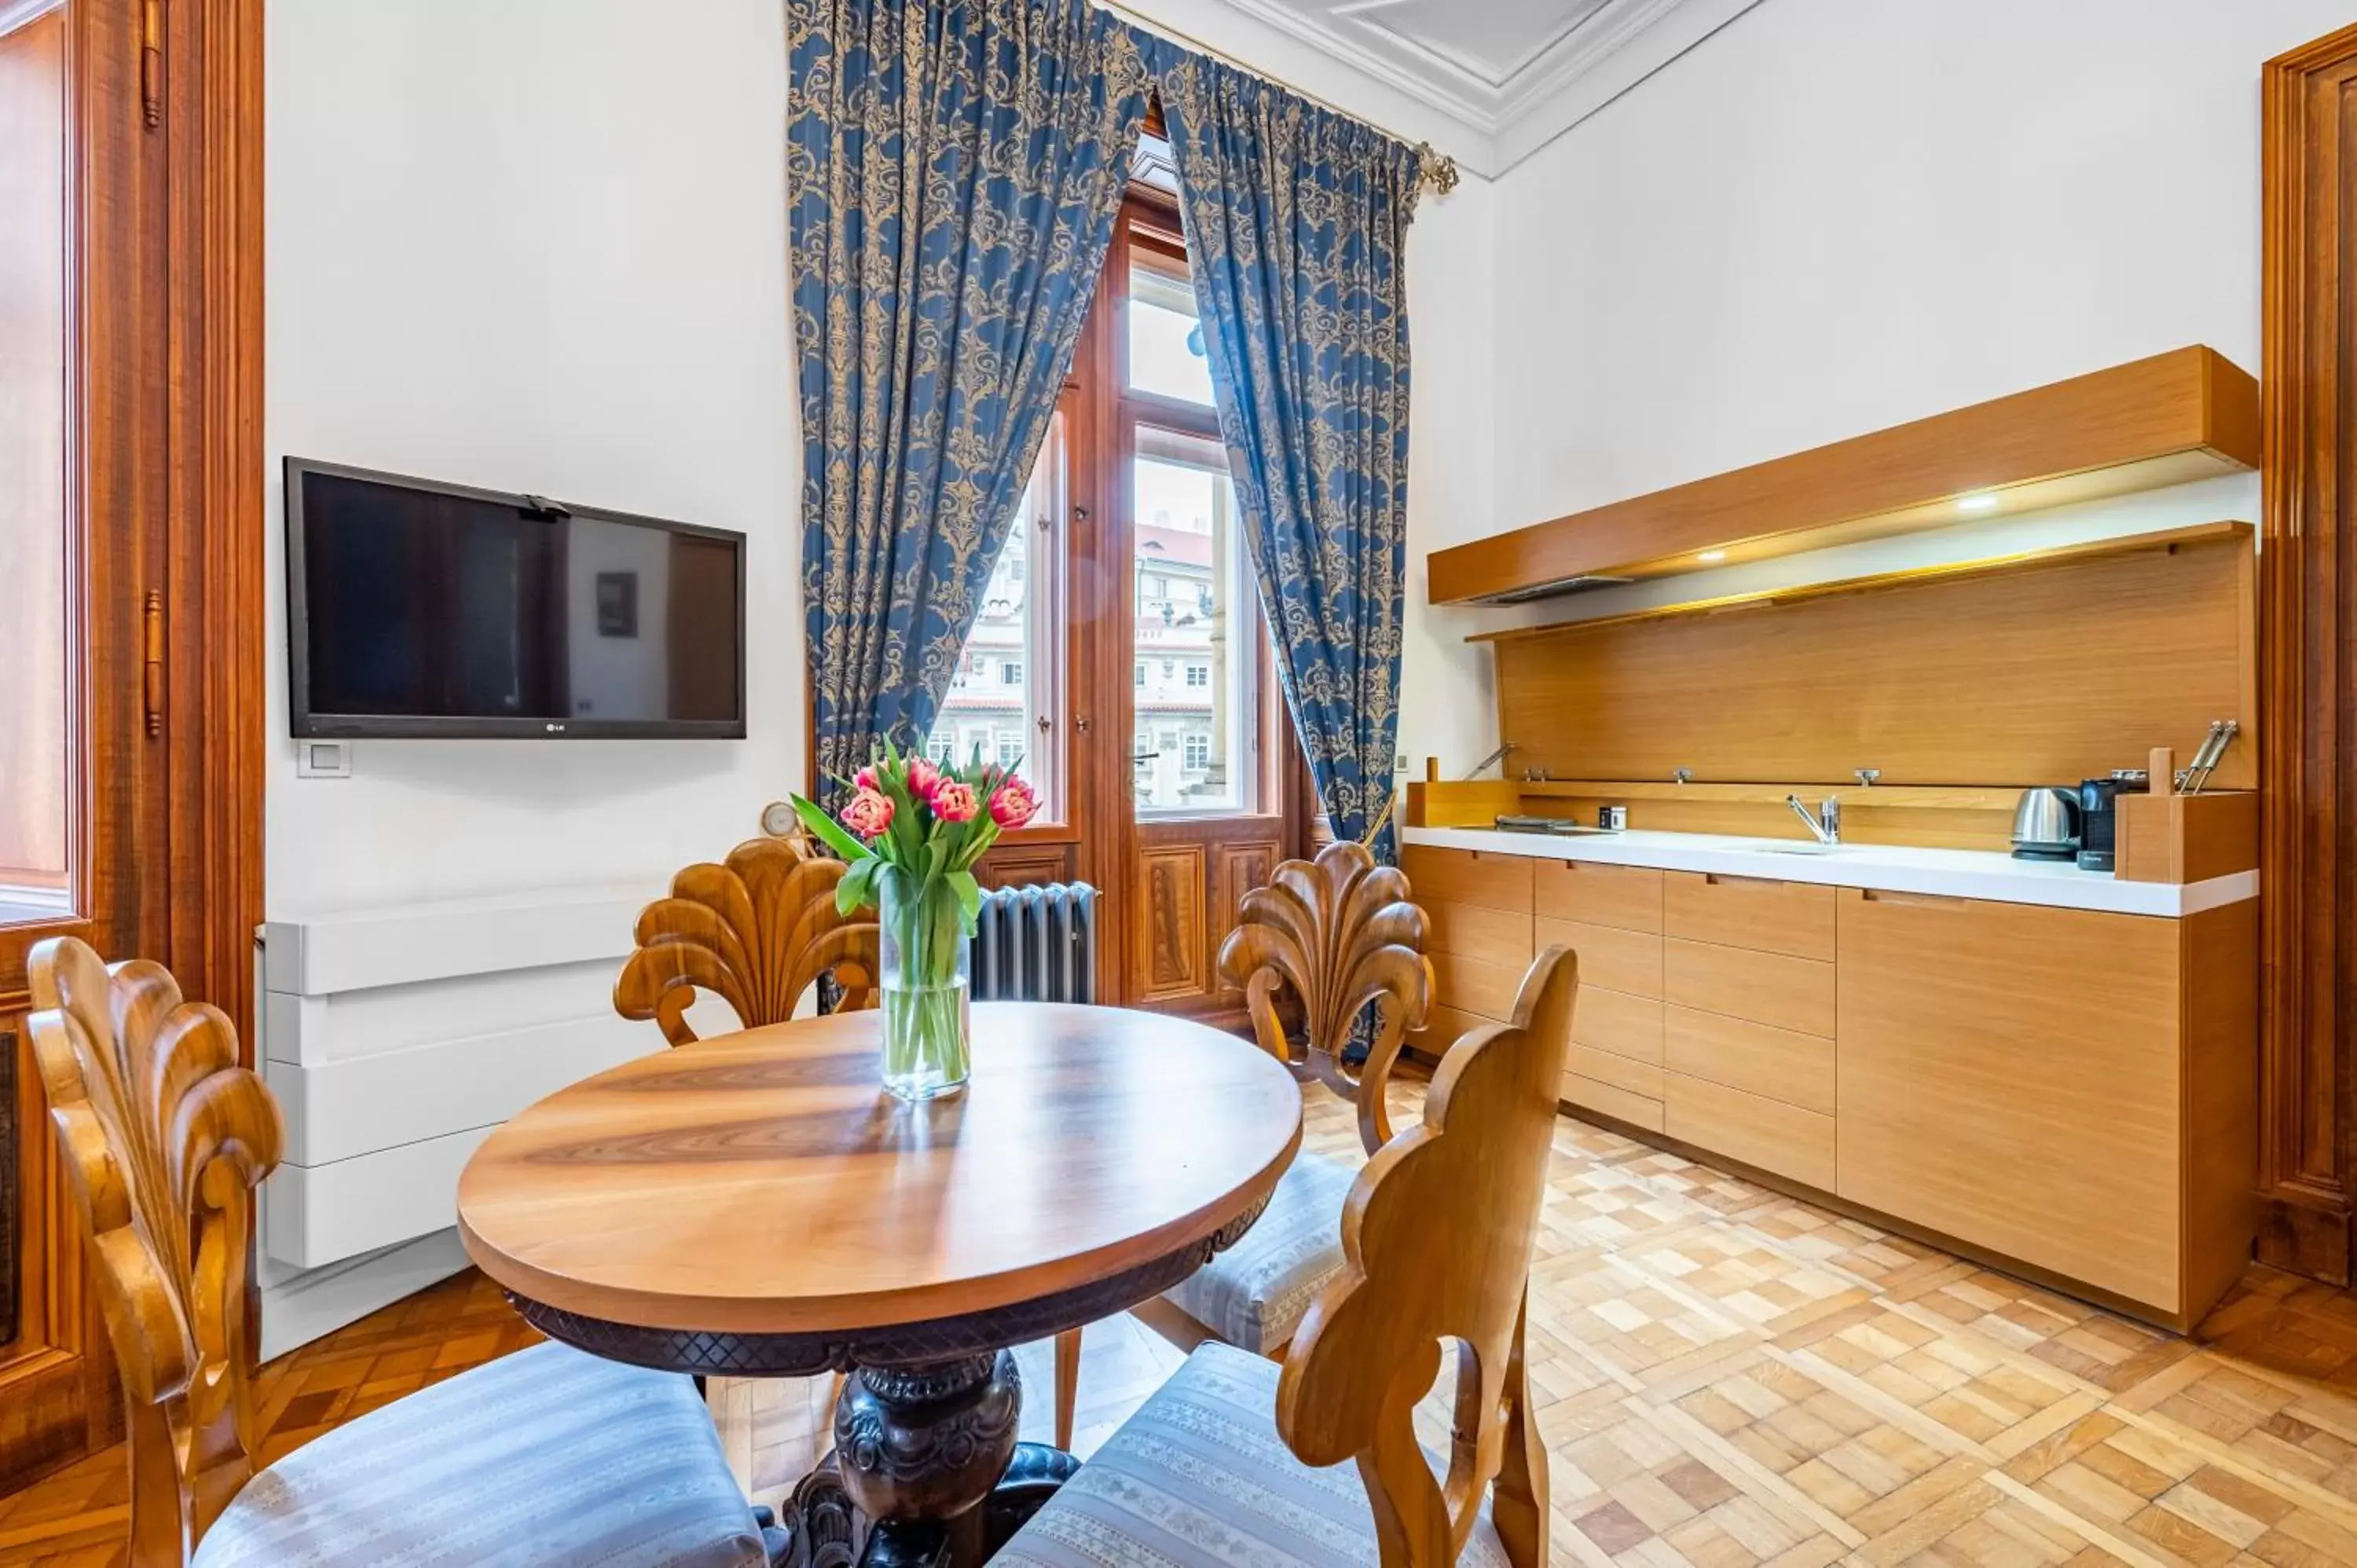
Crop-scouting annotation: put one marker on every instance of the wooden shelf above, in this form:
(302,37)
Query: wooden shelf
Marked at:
(2186,414)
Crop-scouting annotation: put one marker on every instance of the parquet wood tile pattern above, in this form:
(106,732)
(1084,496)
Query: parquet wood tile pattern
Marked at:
(1728,1377)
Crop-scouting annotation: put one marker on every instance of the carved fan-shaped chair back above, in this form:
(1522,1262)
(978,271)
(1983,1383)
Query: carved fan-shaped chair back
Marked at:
(165,1137)
(1438,1237)
(757,931)
(1338,933)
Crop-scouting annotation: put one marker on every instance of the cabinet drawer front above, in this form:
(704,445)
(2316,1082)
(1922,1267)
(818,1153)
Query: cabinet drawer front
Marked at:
(1752,1127)
(1627,961)
(1617,1022)
(1628,897)
(1741,912)
(1476,986)
(1636,1078)
(1594,1094)
(1501,935)
(2012,1076)
(1467,876)
(1758,1058)
(1795,993)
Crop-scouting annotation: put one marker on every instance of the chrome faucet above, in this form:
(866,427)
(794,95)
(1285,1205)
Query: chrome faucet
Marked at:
(1824,824)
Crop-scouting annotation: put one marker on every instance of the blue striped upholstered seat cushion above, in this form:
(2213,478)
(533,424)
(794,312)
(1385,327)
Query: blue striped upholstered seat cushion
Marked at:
(1198,1478)
(1254,1294)
(545,1456)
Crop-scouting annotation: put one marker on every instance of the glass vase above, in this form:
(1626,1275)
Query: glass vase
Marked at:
(923,989)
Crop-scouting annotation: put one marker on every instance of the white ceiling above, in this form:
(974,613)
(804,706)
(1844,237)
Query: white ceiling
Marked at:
(1514,73)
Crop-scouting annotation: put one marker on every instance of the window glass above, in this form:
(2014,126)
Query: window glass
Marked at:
(1166,355)
(1007,698)
(36,679)
(1194,735)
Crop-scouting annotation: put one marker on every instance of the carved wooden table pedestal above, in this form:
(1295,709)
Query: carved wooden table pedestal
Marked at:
(753,1206)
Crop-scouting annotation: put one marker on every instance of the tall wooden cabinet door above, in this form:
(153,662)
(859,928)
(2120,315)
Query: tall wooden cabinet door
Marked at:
(84,845)
(2009,1076)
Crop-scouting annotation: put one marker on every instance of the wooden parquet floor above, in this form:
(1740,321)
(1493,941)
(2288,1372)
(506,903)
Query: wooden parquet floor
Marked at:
(1729,1376)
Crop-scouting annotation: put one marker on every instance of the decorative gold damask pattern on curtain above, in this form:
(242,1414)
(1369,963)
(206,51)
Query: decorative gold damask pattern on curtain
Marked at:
(953,170)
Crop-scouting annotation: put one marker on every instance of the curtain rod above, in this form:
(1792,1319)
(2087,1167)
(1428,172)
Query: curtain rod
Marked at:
(1437,170)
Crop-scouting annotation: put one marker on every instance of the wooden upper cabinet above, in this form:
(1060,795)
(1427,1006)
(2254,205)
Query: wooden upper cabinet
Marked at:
(2186,414)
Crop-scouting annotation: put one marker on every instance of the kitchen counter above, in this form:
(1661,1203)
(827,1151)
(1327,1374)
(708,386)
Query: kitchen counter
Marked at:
(1893,868)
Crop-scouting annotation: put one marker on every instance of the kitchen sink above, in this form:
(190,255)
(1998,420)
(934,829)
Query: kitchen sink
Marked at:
(1779,847)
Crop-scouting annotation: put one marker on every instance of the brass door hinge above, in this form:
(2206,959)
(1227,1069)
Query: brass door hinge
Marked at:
(151,62)
(152,675)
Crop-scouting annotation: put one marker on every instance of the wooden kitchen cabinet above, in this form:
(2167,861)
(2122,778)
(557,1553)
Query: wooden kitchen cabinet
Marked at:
(1477,911)
(2063,1090)
(2070,1088)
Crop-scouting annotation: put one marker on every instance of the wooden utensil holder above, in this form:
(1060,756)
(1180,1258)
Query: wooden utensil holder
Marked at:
(2163,836)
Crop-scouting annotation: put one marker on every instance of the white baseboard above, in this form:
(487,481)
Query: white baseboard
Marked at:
(304,1307)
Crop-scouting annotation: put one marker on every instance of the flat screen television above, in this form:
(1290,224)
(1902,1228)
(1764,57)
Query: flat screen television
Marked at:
(416,608)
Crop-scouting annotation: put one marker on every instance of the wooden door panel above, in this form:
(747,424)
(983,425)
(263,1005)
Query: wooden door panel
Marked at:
(1171,957)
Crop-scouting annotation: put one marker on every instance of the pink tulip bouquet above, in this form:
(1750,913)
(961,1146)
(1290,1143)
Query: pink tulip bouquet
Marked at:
(911,832)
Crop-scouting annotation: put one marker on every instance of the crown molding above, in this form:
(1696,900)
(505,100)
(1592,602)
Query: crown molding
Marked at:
(1431,77)
(1586,67)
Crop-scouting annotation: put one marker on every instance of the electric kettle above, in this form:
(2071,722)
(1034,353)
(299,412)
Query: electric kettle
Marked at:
(2046,824)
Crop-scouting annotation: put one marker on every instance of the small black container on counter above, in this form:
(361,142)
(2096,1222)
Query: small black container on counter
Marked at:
(2099,815)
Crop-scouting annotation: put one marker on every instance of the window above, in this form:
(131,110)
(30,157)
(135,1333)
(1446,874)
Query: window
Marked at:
(1017,715)
(1166,357)
(1141,673)
(37,674)
(1185,518)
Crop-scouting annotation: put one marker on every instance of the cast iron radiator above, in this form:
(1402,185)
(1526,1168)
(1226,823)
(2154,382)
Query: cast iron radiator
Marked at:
(1037,944)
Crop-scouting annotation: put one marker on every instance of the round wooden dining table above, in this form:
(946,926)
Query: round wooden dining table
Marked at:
(755,1205)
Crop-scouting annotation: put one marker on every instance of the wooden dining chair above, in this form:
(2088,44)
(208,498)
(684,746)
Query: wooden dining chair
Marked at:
(1325,939)
(757,931)
(1234,1460)
(545,1456)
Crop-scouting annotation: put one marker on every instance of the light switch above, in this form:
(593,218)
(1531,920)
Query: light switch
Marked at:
(323,759)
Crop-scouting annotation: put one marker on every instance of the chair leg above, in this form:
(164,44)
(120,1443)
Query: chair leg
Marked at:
(1068,1384)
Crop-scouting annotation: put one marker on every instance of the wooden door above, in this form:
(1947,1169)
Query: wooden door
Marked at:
(2308,660)
(127,391)
(1122,649)
(1204,811)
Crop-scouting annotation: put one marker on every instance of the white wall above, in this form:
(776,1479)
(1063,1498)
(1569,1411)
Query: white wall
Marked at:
(1832,216)
(535,246)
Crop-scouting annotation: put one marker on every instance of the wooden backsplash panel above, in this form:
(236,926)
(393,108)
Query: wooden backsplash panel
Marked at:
(2038,672)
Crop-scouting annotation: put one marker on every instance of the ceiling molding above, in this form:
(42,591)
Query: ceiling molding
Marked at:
(1594,60)
(1424,74)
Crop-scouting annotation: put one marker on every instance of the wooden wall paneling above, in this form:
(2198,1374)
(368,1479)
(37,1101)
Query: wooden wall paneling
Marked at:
(2176,416)
(12,1183)
(2307,660)
(2043,673)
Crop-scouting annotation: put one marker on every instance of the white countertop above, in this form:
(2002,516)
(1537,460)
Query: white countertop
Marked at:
(1890,868)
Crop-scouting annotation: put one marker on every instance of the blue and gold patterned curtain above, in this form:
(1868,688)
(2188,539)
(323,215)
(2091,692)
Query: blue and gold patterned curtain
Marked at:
(953,168)
(1297,223)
